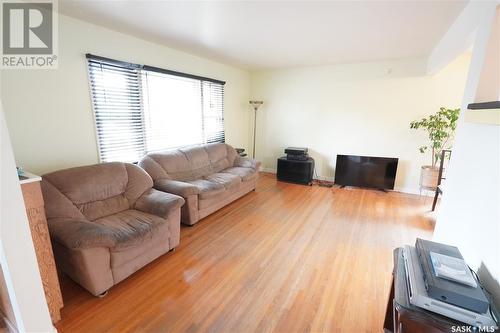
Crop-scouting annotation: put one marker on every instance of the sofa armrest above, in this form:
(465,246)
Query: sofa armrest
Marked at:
(80,234)
(246,162)
(158,203)
(176,187)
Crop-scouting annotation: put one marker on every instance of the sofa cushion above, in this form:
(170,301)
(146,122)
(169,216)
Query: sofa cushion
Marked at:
(228,180)
(218,155)
(79,234)
(174,162)
(105,207)
(207,188)
(159,240)
(220,200)
(130,227)
(95,190)
(90,183)
(198,160)
(244,173)
(57,205)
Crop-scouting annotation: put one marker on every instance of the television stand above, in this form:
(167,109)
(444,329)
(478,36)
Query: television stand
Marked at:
(295,171)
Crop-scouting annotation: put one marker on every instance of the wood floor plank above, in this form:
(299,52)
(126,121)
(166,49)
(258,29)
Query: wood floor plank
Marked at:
(285,258)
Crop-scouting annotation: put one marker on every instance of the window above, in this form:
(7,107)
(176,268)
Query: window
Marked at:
(140,109)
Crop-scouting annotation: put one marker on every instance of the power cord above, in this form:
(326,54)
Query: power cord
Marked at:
(319,182)
(486,290)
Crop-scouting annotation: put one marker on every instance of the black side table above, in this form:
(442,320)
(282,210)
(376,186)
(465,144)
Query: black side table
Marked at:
(295,171)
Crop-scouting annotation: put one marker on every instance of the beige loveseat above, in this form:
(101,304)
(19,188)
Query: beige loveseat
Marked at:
(207,176)
(106,222)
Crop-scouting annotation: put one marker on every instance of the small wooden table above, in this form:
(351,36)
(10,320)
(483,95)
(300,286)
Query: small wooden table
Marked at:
(401,316)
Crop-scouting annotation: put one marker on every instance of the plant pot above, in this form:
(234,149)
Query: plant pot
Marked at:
(429,177)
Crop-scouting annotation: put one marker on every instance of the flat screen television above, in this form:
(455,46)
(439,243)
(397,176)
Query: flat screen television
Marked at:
(366,171)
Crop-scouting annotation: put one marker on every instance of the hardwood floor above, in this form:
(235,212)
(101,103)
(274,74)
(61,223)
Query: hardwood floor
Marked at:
(285,258)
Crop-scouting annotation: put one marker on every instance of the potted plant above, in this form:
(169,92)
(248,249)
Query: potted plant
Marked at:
(440,128)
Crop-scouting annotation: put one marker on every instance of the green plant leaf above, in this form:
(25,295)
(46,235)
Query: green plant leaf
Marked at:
(440,129)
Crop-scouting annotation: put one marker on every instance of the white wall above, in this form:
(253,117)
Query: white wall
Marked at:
(359,109)
(469,215)
(459,37)
(49,112)
(17,254)
(489,79)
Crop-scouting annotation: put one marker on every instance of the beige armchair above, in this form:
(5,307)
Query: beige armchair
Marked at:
(106,222)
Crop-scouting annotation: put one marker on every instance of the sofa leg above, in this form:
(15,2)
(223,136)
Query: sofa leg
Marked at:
(103,294)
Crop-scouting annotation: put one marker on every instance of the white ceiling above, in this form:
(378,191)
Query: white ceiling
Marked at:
(277,34)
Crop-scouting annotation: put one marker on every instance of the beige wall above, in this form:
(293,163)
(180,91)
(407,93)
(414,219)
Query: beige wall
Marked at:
(49,113)
(359,109)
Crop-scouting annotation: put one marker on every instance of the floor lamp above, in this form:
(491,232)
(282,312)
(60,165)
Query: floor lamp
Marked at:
(255,105)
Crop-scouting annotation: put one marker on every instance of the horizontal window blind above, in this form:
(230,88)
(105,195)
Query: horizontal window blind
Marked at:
(140,109)
(117,102)
(213,112)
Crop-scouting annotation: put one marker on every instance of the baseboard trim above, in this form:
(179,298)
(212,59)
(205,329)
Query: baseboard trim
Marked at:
(406,190)
(416,191)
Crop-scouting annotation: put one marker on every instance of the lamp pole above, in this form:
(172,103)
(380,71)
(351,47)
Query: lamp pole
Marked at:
(254,130)
(255,105)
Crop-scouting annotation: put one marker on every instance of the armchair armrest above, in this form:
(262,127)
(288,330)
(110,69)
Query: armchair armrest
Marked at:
(158,203)
(176,187)
(80,234)
(246,162)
